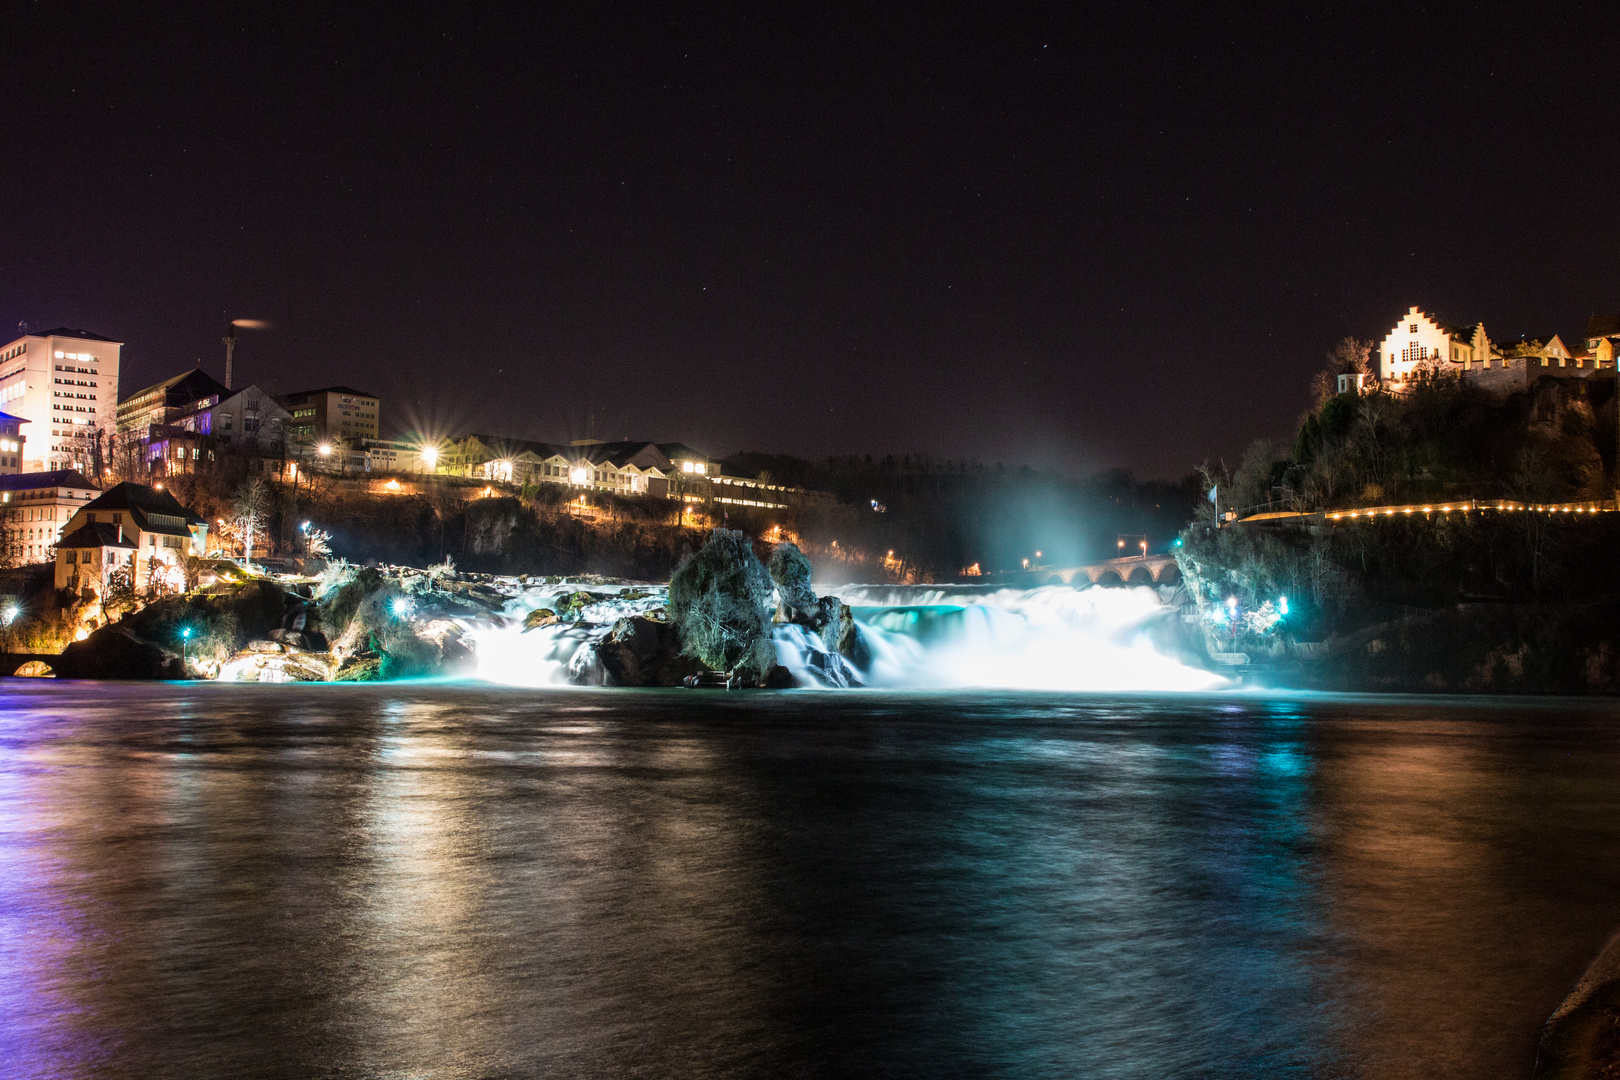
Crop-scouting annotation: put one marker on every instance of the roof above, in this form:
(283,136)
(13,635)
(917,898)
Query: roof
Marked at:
(737,472)
(617,454)
(1602,326)
(510,447)
(142,500)
(95,535)
(674,450)
(19,419)
(64,331)
(1465,333)
(193,385)
(351,391)
(29,481)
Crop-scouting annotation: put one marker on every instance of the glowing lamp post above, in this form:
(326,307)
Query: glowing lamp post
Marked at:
(430,458)
(185,636)
(8,615)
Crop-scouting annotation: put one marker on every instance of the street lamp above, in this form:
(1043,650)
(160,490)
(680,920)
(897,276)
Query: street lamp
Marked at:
(325,449)
(430,457)
(185,636)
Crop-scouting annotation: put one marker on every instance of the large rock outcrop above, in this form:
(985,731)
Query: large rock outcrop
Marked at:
(114,652)
(643,651)
(719,600)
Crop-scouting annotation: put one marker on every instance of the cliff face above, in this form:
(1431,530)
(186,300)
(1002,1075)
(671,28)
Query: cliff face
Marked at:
(1497,603)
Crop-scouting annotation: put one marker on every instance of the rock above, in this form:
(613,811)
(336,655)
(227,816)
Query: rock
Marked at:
(304,640)
(113,652)
(540,616)
(840,633)
(263,646)
(640,651)
(779,678)
(360,669)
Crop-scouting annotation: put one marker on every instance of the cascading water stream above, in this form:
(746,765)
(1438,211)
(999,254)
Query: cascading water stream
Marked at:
(1055,637)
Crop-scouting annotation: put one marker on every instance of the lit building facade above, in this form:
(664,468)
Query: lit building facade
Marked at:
(11,443)
(65,383)
(36,507)
(133,526)
(337,415)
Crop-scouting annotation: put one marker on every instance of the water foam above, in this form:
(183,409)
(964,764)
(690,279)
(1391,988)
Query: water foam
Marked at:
(1055,637)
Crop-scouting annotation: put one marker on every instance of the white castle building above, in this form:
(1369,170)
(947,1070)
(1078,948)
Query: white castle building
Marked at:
(1420,346)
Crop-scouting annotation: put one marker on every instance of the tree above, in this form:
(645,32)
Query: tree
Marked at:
(1349,354)
(249,509)
(12,548)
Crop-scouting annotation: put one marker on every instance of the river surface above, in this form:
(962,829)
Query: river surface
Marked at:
(459,881)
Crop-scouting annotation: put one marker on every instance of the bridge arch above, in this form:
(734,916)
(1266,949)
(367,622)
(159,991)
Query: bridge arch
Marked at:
(1108,578)
(1169,573)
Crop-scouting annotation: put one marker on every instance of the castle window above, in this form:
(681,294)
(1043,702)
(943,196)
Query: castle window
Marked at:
(1413,328)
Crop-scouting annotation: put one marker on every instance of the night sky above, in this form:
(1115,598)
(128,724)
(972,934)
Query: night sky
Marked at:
(1122,237)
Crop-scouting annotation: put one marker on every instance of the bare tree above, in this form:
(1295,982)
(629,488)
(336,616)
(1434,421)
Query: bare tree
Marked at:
(249,510)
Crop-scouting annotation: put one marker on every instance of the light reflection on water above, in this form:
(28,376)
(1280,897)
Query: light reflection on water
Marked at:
(465,882)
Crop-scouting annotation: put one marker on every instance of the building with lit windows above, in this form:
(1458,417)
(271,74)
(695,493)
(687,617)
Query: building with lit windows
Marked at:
(65,383)
(11,443)
(1422,347)
(36,508)
(129,526)
(169,400)
(334,415)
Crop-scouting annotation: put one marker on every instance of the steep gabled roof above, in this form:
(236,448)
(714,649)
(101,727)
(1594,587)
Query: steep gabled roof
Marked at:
(1602,326)
(96,534)
(138,498)
(30,481)
(193,385)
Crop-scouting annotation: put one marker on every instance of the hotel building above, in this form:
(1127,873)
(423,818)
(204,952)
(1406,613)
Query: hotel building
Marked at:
(65,383)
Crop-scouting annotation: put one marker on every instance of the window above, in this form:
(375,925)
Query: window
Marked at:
(1412,328)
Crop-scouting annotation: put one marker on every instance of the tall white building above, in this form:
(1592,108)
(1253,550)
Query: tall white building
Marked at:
(65,384)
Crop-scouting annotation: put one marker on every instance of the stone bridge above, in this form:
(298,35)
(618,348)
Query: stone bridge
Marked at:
(10,662)
(1130,570)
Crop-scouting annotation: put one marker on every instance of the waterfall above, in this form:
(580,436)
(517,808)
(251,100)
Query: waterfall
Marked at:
(1055,637)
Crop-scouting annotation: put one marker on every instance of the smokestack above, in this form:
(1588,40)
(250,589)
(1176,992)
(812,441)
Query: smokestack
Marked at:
(230,352)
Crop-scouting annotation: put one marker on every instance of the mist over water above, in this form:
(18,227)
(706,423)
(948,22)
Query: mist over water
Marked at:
(1055,637)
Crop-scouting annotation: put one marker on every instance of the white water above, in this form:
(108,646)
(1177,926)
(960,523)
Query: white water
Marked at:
(1051,638)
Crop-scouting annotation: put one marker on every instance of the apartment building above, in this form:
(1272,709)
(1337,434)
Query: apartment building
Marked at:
(65,383)
(36,507)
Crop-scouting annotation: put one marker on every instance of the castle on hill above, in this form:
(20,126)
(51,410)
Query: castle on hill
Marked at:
(1420,346)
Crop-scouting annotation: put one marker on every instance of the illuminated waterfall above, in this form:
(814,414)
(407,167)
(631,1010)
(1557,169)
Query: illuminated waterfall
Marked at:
(928,637)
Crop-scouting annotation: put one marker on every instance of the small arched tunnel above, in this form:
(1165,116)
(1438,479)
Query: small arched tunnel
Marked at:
(23,665)
(1169,574)
(1109,577)
(1141,575)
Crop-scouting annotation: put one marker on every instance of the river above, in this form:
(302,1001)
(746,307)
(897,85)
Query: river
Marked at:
(455,880)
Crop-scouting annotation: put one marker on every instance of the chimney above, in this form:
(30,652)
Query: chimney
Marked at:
(120,533)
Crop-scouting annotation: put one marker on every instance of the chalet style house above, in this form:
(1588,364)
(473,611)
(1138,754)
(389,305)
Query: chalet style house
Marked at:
(132,527)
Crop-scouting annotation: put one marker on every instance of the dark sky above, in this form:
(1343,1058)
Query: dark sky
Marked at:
(1118,236)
